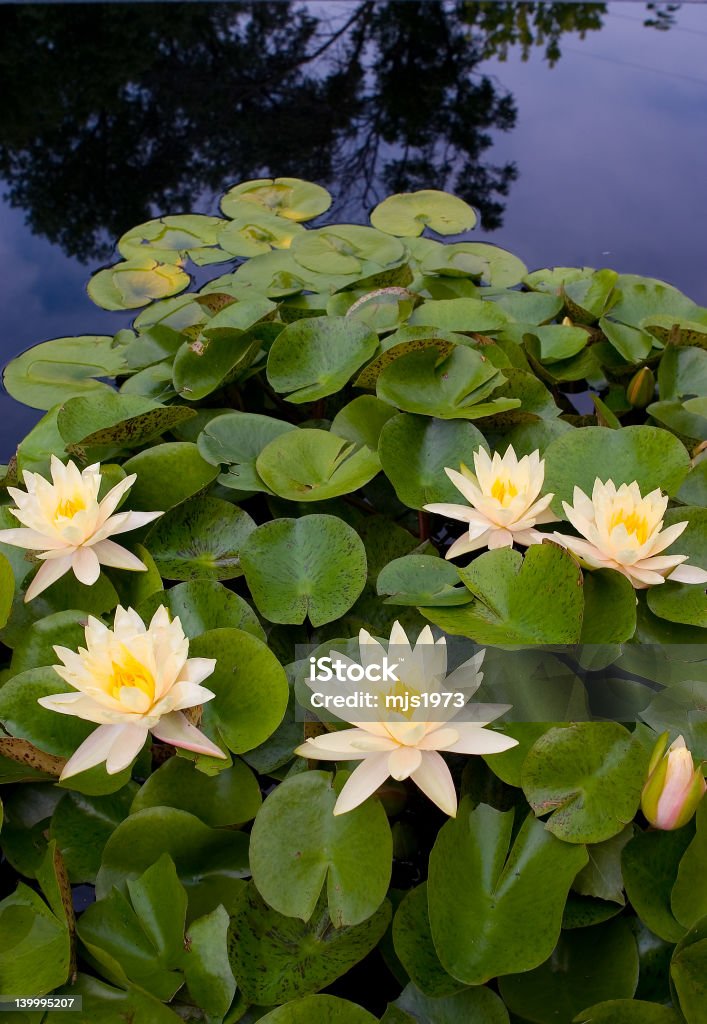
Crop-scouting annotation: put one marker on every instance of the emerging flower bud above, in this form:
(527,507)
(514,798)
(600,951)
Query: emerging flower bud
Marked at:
(641,388)
(674,787)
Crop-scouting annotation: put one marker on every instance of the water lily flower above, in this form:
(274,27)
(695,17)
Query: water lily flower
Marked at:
(504,499)
(622,530)
(405,745)
(674,787)
(131,680)
(68,526)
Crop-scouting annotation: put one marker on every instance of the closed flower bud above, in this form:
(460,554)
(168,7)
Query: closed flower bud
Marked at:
(674,787)
(641,388)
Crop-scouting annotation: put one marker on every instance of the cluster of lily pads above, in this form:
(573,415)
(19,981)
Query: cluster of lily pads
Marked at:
(284,454)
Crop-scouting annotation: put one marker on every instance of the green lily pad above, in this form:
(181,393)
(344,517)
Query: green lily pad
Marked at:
(421,580)
(315,357)
(200,540)
(235,440)
(648,455)
(7,590)
(495,905)
(345,249)
(169,238)
(34,944)
(230,798)
(276,958)
(114,420)
(627,1011)
(135,283)
(313,566)
(588,777)
(590,297)
(453,386)
(478,1005)
(536,599)
(82,825)
(650,864)
(210,862)
(254,230)
(642,297)
(382,309)
(298,846)
(61,369)
(558,342)
(201,605)
(362,420)
(609,608)
(588,964)
(415,450)
(291,198)
(311,465)
(409,213)
(553,278)
(415,948)
(490,264)
(631,343)
(463,314)
(678,330)
(168,474)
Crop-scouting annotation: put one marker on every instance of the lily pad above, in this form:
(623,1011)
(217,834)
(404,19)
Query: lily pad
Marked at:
(235,440)
(490,264)
(409,213)
(135,283)
(167,474)
(648,455)
(230,798)
(463,314)
(590,776)
(61,369)
(311,465)
(315,357)
(203,604)
(291,198)
(200,540)
(254,230)
(421,580)
(345,249)
(169,238)
(362,421)
(114,420)
(298,846)
(314,566)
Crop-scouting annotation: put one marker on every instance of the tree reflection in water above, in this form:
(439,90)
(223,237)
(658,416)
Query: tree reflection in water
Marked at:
(123,111)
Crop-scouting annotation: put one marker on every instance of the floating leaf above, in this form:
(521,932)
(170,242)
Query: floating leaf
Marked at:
(648,455)
(627,1011)
(230,798)
(650,866)
(489,263)
(291,198)
(415,948)
(362,420)
(322,1009)
(345,249)
(536,599)
(254,230)
(167,474)
(590,776)
(314,566)
(495,907)
(464,314)
(115,420)
(558,342)
(310,465)
(422,580)
(250,686)
(315,357)
(414,452)
(7,590)
(169,238)
(453,386)
(81,826)
(642,297)
(201,605)
(276,958)
(587,964)
(34,944)
(478,1005)
(590,297)
(409,213)
(135,283)
(61,369)
(297,846)
(200,540)
(236,440)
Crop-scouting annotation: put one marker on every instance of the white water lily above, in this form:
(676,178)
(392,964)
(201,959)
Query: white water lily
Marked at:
(624,531)
(504,499)
(405,745)
(131,680)
(68,526)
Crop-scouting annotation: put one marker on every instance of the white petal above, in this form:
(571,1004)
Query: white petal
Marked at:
(48,573)
(463,513)
(435,780)
(688,574)
(117,557)
(133,521)
(30,539)
(96,749)
(86,566)
(364,781)
(463,545)
(348,743)
(182,696)
(81,706)
(125,747)
(474,739)
(196,670)
(500,539)
(112,499)
(175,729)
(403,761)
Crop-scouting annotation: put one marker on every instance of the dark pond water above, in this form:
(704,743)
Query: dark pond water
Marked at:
(578,130)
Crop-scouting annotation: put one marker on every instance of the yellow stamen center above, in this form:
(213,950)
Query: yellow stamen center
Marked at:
(68,508)
(504,491)
(130,672)
(634,523)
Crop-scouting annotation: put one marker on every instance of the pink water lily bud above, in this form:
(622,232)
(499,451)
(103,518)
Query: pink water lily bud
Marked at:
(674,787)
